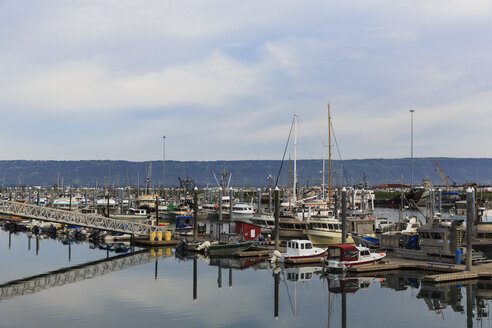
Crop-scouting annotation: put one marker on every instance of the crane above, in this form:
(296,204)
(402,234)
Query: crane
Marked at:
(442,175)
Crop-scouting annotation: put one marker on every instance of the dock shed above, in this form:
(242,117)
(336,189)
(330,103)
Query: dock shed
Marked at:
(247,230)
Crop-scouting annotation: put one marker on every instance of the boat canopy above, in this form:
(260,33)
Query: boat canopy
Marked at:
(343,253)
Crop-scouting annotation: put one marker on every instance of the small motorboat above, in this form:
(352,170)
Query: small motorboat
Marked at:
(342,256)
(299,249)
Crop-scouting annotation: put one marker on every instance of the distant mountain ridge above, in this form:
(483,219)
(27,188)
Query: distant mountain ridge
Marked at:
(245,173)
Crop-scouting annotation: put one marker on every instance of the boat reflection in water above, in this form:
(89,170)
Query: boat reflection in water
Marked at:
(302,295)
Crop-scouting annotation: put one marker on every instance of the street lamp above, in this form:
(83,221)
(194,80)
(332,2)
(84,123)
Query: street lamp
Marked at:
(164,163)
(411,143)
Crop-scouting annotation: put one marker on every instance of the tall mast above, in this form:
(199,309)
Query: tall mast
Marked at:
(295,159)
(290,183)
(324,174)
(329,156)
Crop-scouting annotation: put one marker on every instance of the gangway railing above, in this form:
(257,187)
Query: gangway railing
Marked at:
(93,221)
(68,275)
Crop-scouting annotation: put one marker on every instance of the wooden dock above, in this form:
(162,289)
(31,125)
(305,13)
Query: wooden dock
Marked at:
(260,253)
(374,268)
(162,243)
(463,275)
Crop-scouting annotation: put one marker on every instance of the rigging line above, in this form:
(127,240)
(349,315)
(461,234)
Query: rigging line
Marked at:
(304,145)
(288,293)
(285,150)
(339,154)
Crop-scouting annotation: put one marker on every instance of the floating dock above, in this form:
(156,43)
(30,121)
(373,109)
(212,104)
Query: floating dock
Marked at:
(259,253)
(148,243)
(464,275)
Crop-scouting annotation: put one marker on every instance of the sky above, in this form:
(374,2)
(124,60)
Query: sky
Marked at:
(222,80)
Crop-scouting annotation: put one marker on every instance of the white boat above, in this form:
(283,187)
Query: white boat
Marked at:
(383,224)
(138,212)
(299,249)
(360,202)
(266,222)
(342,256)
(65,203)
(242,212)
(105,201)
(326,231)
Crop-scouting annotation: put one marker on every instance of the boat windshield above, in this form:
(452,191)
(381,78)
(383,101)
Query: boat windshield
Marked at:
(351,254)
(309,246)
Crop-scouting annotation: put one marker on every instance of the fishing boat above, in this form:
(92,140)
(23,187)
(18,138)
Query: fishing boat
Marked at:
(326,231)
(242,212)
(342,256)
(228,249)
(299,249)
(291,228)
(229,244)
(266,222)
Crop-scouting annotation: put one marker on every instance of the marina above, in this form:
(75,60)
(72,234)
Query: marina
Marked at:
(245,164)
(184,242)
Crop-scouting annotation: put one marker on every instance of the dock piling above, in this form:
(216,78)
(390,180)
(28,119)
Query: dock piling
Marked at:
(195,213)
(344,215)
(277,215)
(470,212)
(220,203)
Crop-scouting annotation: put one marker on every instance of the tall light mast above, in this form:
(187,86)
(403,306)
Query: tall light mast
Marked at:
(329,156)
(295,160)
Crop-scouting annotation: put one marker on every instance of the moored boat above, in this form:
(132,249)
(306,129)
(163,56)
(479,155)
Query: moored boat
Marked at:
(298,249)
(342,256)
(221,249)
(326,231)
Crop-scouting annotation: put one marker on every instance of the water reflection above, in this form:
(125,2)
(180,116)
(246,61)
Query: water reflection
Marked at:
(72,274)
(163,283)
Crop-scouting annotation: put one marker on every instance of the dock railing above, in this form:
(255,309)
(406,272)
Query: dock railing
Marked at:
(93,221)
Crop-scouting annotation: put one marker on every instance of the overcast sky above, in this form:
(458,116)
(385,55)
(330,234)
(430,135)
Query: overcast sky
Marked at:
(222,80)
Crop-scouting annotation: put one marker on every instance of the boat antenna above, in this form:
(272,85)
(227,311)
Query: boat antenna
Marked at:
(285,151)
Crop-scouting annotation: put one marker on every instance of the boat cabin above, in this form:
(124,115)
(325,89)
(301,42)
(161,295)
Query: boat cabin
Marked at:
(138,211)
(242,208)
(184,222)
(299,247)
(345,253)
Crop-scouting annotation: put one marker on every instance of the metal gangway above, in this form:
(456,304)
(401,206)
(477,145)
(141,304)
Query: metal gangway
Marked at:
(68,275)
(93,221)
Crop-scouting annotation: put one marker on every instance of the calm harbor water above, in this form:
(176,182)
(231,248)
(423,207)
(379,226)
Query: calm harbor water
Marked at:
(227,293)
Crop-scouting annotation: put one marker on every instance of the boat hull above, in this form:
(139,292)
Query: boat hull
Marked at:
(327,238)
(228,249)
(293,258)
(337,265)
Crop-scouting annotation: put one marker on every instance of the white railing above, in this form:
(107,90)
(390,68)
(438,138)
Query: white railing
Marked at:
(93,221)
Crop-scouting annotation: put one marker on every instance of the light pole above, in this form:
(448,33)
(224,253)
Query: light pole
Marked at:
(411,143)
(164,164)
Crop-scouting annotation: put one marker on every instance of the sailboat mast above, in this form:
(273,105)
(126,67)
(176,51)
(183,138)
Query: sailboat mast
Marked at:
(290,183)
(329,156)
(295,160)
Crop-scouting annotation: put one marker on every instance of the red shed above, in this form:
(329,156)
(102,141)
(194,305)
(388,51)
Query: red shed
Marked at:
(247,230)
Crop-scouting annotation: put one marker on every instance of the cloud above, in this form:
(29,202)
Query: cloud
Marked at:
(233,74)
(75,86)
